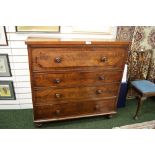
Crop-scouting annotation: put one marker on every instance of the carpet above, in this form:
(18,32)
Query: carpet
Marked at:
(23,119)
(144,125)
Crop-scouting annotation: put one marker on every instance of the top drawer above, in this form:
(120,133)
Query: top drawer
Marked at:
(48,58)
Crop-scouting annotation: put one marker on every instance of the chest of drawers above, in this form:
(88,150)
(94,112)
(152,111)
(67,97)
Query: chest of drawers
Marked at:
(73,79)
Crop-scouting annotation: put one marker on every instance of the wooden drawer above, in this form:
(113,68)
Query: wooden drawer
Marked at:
(74,109)
(48,58)
(69,78)
(52,95)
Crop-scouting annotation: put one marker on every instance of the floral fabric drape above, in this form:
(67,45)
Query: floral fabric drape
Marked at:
(125,33)
(142,38)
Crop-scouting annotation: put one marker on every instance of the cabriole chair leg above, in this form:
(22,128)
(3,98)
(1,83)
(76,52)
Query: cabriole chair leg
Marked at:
(140,102)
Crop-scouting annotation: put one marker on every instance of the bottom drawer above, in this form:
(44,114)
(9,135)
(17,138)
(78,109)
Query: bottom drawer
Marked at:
(59,111)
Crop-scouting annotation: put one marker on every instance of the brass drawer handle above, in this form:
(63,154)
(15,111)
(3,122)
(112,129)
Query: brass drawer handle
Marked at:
(104,59)
(99,91)
(58,59)
(101,77)
(57,81)
(57,95)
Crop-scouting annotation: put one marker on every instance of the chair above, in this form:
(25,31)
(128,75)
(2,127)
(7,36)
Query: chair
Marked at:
(144,88)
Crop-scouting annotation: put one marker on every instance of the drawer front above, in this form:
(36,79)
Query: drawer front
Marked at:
(76,78)
(51,95)
(48,58)
(74,109)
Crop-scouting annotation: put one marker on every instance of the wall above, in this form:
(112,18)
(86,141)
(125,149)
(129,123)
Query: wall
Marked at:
(18,57)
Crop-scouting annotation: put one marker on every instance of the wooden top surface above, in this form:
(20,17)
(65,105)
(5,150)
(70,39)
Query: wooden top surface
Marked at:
(56,41)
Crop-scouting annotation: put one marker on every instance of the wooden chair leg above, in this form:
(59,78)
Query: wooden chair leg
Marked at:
(140,102)
(128,87)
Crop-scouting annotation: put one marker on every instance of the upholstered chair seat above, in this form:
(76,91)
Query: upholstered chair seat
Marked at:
(145,89)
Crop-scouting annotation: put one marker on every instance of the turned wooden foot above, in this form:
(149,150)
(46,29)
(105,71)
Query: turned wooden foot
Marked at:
(135,117)
(38,124)
(109,116)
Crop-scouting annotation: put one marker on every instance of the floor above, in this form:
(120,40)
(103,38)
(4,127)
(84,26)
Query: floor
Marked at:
(143,125)
(23,119)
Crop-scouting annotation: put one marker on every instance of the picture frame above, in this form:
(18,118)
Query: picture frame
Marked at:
(102,30)
(3,36)
(38,29)
(7,90)
(5,70)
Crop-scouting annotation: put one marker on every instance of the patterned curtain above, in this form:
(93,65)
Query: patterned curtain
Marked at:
(142,38)
(125,33)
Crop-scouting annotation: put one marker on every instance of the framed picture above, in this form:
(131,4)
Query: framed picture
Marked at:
(7,90)
(52,29)
(3,36)
(4,65)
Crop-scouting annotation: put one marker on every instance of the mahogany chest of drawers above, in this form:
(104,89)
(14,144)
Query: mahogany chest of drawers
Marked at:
(73,79)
